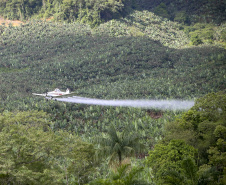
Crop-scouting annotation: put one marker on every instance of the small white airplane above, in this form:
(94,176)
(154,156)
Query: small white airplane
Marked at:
(55,93)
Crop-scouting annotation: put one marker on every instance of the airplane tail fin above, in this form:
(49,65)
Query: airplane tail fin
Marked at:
(68,91)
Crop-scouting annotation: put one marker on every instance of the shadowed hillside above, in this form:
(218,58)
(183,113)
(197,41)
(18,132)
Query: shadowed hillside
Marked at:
(49,55)
(196,11)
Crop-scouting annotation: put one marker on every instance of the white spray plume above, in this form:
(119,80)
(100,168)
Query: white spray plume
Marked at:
(158,104)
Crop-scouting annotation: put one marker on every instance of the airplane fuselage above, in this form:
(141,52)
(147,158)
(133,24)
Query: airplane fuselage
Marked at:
(54,93)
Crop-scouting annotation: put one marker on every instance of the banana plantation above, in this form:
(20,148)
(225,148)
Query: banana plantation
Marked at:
(122,54)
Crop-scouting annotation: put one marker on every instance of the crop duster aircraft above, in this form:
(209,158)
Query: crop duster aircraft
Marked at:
(57,92)
(142,103)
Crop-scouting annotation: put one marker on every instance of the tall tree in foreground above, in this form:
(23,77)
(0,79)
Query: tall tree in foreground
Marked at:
(118,145)
(31,153)
(204,128)
(173,163)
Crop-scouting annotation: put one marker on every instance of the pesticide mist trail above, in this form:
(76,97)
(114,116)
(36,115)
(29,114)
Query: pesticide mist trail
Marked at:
(158,104)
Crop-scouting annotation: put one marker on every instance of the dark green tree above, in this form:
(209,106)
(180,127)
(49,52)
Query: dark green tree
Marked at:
(173,163)
(31,153)
(19,9)
(195,40)
(203,127)
(119,145)
(161,10)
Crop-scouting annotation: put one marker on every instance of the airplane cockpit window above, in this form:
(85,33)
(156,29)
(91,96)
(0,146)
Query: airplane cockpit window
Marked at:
(57,90)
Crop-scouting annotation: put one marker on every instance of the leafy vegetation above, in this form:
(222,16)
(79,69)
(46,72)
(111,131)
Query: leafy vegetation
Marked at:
(116,63)
(173,163)
(32,153)
(47,55)
(132,54)
(85,11)
(123,176)
(205,33)
(147,24)
(203,127)
(119,145)
(192,11)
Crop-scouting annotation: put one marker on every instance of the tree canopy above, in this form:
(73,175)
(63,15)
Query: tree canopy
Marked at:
(203,127)
(31,153)
(173,163)
(119,145)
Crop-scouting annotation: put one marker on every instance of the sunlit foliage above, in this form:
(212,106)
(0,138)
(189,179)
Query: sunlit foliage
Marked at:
(31,153)
(173,163)
(203,127)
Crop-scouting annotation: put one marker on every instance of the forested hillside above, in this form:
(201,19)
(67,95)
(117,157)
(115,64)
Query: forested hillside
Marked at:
(112,50)
(188,11)
(95,12)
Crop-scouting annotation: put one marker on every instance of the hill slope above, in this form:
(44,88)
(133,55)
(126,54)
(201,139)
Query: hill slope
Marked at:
(49,55)
(40,56)
(144,23)
(212,11)
(96,12)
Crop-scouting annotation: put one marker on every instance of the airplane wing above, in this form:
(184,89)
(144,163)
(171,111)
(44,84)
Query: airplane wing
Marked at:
(39,94)
(52,94)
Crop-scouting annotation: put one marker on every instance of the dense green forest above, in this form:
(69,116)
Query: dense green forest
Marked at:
(113,49)
(95,12)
